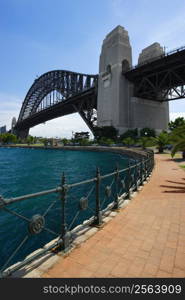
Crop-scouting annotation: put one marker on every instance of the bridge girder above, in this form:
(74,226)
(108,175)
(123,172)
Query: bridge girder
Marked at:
(73,92)
(162,79)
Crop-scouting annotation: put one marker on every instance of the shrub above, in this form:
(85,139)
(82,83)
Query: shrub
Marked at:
(161,141)
(147,132)
(145,141)
(109,132)
(105,141)
(132,133)
(128,141)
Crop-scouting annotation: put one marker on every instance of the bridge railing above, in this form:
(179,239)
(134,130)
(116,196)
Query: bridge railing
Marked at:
(176,50)
(82,202)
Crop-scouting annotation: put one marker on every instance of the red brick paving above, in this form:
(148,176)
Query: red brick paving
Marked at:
(145,239)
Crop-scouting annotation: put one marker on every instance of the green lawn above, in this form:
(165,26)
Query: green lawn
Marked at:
(35,145)
(177,155)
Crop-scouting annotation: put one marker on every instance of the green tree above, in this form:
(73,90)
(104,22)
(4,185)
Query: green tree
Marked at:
(128,141)
(30,140)
(108,132)
(178,122)
(84,142)
(64,141)
(105,141)
(45,141)
(147,132)
(161,141)
(132,133)
(34,140)
(177,138)
(145,141)
(8,138)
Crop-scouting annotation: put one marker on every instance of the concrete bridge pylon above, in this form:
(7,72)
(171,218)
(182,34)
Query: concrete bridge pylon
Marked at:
(117,105)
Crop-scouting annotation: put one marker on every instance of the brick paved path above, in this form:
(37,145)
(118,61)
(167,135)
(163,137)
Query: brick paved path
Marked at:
(145,239)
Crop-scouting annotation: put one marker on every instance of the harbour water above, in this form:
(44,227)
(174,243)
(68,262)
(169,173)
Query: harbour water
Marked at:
(24,171)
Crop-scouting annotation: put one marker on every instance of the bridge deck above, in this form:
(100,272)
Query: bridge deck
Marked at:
(162,79)
(160,65)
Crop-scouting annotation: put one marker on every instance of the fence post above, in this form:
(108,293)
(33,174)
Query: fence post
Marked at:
(153,160)
(145,171)
(98,220)
(148,164)
(147,174)
(116,200)
(136,175)
(64,233)
(141,169)
(128,180)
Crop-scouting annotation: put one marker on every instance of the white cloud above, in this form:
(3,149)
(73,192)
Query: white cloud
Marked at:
(10,106)
(60,127)
(175,115)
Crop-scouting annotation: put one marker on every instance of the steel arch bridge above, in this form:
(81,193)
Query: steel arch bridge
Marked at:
(58,93)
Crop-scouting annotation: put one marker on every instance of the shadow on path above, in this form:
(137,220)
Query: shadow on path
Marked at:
(176,189)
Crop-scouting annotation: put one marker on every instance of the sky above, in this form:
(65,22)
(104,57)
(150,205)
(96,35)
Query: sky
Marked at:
(38,36)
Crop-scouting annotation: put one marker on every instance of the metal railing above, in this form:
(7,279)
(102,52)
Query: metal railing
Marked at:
(77,203)
(158,57)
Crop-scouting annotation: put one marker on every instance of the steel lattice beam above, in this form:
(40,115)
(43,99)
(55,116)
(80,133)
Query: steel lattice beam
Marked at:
(58,93)
(162,79)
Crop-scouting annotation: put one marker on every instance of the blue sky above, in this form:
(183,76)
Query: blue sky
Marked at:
(41,35)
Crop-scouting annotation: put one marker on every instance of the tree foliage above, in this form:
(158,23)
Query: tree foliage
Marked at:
(161,141)
(8,138)
(147,132)
(128,141)
(131,133)
(30,140)
(105,141)
(178,122)
(177,137)
(145,141)
(65,141)
(109,132)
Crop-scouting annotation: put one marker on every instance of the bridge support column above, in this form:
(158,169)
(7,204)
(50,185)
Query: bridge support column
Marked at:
(113,88)
(116,105)
(22,134)
(145,112)
(148,113)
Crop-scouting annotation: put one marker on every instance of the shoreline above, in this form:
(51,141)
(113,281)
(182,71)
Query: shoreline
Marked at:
(132,152)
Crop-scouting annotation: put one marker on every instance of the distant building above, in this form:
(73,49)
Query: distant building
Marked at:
(81,135)
(13,123)
(3,129)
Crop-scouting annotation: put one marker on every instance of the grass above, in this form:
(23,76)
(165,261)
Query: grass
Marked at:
(35,145)
(177,155)
(183,167)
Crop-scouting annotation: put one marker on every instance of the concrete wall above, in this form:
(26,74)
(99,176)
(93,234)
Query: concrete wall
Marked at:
(147,113)
(150,52)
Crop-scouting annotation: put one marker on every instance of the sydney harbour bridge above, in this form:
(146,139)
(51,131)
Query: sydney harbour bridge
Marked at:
(120,95)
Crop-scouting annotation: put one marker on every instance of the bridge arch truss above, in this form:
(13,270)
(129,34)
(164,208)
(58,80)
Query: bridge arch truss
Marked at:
(57,93)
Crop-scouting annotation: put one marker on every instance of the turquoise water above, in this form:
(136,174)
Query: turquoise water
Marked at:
(24,171)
